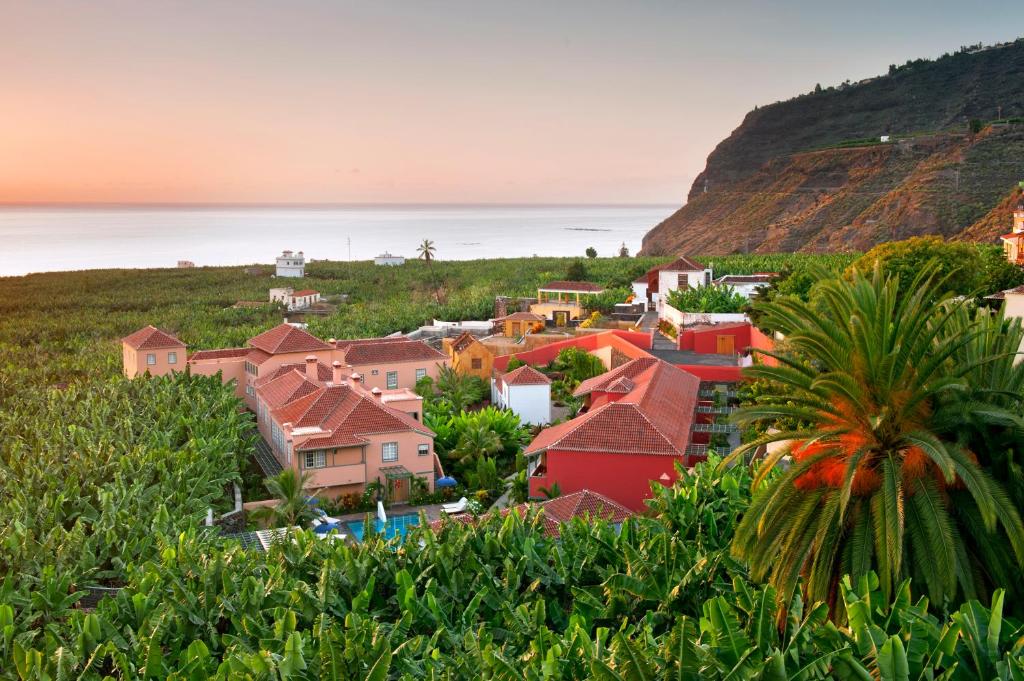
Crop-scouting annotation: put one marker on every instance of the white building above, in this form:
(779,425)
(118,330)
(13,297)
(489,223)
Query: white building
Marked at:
(388,260)
(291,265)
(526,392)
(680,273)
(294,300)
(747,284)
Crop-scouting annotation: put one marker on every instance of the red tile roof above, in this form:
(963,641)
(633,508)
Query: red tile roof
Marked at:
(347,414)
(762,278)
(572,286)
(257,356)
(525,375)
(1012,235)
(287,338)
(324,372)
(305,292)
(554,512)
(225,353)
(630,370)
(653,418)
(464,340)
(285,388)
(643,278)
(684,264)
(388,350)
(151,338)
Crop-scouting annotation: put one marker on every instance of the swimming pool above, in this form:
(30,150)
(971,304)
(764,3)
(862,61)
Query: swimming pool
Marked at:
(395,526)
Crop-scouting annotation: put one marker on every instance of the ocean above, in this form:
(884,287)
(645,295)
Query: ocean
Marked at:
(48,238)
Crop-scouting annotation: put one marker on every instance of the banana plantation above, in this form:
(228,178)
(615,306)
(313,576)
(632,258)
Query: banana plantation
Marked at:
(891,548)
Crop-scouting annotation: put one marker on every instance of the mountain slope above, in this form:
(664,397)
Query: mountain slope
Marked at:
(765,188)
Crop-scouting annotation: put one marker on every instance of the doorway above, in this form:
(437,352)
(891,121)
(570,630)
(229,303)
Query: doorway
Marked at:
(726,345)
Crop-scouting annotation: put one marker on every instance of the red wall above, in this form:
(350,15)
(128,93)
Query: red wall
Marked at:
(622,477)
(626,341)
(760,341)
(716,374)
(705,341)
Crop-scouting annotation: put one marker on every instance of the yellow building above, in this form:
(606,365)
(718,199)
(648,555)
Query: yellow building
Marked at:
(469,356)
(1013,243)
(521,323)
(563,301)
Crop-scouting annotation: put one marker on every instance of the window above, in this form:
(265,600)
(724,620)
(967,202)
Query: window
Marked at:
(150,359)
(476,363)
(420,374)
(315,459)
(172,358)
(392,380)
(390,451)
(374,372)
(423,450)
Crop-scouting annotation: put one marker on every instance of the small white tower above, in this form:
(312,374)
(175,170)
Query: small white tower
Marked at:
(291,265)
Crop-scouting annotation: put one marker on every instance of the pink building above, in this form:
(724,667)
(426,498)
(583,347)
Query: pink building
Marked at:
(391,363)
(151,350)
(323,421)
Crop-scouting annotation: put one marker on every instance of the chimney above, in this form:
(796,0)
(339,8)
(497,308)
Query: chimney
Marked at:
(357,378)
(311,372)
(376,392)
(336,376)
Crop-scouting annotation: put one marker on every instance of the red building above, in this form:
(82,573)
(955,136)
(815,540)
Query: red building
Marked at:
(640,419)
(717,339)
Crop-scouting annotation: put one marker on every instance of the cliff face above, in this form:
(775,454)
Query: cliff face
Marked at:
(811,174)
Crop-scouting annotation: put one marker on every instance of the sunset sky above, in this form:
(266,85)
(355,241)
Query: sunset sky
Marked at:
(424,101)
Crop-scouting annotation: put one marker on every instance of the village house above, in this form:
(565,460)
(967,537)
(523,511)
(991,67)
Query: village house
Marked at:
(150,350)
(526,392)
(639,421)
(728,338)
(469,356)
(294,300)
(1013,243)
(645,288)
(520,323)
(387,260)
(385,363)
(681,273)
(391,363)
(747,284)
(322,421)
(291,265)
(564,301)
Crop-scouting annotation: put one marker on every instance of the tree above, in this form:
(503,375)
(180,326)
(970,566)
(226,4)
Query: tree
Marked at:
(960,263)
(292,506)
(591,252)
(426,250)
(877,482)
(518,487)
(553,491)
(477,440)
(623,251)
(577,271)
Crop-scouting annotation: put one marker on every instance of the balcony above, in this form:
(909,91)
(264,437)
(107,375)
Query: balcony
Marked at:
(331,476)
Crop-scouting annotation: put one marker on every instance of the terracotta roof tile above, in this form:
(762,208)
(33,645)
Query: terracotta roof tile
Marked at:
(257,356)
(684,264)
(630,369)
(464,340)
(324,373)
(287,338)
(224,353)
(384,351)
(305,292)
(556,511)
(653,418)
(573,286)
(285,388)
(521,317)
(525,375)
(151,338)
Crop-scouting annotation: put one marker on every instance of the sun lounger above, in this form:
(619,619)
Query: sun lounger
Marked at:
(458,507)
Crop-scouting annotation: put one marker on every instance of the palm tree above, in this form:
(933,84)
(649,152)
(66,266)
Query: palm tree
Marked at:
(552,492)
(426,250)
(292,506)
(477,441)
(877,482)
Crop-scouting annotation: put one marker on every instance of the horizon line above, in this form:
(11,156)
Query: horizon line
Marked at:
(315,204)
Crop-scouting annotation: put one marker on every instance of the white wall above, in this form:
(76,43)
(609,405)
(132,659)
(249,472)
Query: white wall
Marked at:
(679,318)
(532,403)
(668,280)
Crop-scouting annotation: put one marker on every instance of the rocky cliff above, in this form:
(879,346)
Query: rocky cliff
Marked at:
(814,174)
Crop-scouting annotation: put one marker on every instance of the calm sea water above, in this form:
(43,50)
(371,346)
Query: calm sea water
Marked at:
(40,239)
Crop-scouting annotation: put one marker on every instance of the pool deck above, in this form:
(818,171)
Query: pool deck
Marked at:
(433,512)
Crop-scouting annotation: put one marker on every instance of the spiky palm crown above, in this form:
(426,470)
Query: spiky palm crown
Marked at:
(879,478)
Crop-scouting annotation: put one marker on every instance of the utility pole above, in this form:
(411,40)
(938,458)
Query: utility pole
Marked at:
(350,249)
(957,179)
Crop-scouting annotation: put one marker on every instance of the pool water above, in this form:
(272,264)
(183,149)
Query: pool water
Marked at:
(395,526)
